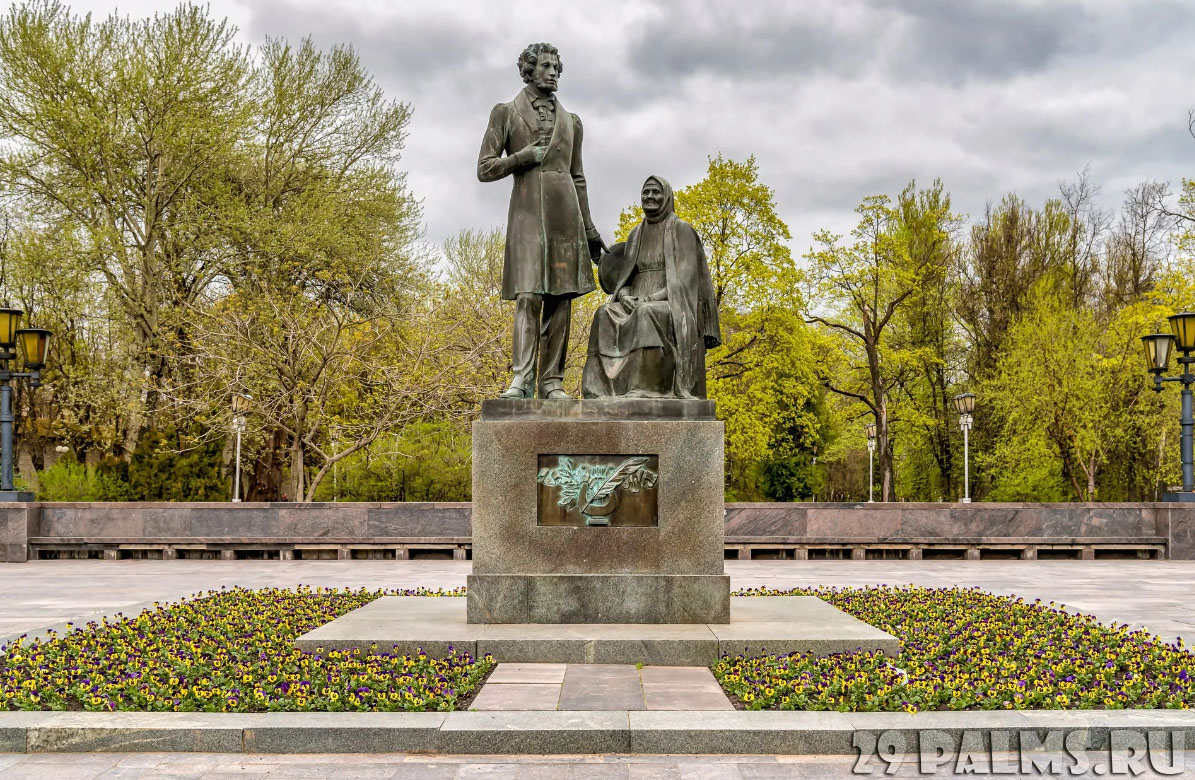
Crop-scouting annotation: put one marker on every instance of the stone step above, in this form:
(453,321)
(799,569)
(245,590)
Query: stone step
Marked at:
(576,732)
(758,625)
(600,687)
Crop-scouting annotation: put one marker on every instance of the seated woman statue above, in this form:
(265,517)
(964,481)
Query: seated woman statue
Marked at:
(649,340)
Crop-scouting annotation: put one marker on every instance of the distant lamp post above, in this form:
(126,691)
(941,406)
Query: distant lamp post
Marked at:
(1158,349)
(35,348)
(964,404)
(871,459)
(240,405)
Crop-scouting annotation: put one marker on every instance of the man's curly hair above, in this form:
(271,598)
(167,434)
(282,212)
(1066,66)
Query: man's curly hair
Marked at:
(530,57)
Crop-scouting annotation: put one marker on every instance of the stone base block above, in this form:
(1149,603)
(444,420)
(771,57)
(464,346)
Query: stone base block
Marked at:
(599,598)
(758,625)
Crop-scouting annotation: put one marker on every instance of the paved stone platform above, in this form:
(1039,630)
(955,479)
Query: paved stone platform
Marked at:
(1155,595)
(775,624)
(589,687)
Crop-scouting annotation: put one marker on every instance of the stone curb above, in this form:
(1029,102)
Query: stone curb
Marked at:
(548,733)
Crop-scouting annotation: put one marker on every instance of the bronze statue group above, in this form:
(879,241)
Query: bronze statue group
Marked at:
(649,339)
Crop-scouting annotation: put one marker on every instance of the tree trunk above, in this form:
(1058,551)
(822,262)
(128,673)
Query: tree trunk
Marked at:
(884,446)
(266,480)
(297,471)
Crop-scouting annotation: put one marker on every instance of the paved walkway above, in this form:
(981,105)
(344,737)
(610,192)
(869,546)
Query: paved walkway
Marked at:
(1153,594)
(222,766)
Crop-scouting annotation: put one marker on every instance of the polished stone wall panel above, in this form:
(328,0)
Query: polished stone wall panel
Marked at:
(1181,526)
(378,522)
(419,519)
(766,520)
(17,522)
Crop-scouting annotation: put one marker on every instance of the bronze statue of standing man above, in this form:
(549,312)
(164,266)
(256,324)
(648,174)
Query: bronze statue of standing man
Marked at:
(550,237)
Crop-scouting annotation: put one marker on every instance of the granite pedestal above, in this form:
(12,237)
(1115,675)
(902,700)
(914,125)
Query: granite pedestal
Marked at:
(532,566)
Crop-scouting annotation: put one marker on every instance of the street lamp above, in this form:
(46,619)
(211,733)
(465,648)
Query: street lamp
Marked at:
(964,404)
(240,405)
(35,347)
(871,459)
(1158,349)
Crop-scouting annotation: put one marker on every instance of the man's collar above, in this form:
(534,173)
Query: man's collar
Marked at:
(533,96)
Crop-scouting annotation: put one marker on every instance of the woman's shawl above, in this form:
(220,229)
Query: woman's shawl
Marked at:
(690,293)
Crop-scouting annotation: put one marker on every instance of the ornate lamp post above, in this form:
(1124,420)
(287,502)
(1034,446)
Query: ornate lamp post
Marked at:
(1158,349)
(34,346)
(871,460)
(964,404)
(240,405)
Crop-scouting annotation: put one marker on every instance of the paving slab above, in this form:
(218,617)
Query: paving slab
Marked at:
(668,696)
(517,696)
(434,624)
(676,675)
(601,687)
(528,673)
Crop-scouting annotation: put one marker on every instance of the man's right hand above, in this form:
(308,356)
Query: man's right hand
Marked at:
(535,152)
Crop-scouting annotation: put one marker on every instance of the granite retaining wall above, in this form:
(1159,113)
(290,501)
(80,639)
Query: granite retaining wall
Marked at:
(400,530)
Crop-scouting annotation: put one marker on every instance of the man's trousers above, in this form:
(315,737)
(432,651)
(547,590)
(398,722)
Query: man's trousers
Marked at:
(541,332)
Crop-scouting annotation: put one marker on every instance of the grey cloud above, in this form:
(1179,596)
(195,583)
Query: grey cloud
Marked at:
(989,39)
(755,40)
(837,99)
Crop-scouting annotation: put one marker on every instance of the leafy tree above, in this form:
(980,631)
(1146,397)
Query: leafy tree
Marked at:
(860,288)
(1071,388)
(475,322)
(117,132)
(924,329)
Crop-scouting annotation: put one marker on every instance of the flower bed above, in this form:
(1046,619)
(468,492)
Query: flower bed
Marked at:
(230,651)
(965,649)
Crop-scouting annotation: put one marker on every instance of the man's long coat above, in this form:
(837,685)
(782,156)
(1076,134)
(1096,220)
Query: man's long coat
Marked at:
(548,222)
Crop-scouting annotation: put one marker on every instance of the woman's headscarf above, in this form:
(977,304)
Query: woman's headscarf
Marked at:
(668,199)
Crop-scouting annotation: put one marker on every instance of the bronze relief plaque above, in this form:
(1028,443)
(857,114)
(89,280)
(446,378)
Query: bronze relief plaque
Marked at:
(598,490)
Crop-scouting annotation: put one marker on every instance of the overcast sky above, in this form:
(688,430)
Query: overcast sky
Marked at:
(837,99)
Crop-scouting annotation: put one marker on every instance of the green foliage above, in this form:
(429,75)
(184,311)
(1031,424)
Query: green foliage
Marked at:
(426,462)
(69,480)
(796,478)
(170,465)
(66,480)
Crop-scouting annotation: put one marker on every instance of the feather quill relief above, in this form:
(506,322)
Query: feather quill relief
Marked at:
(626,469)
